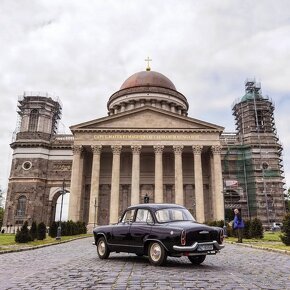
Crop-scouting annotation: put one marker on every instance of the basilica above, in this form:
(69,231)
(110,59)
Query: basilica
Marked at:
(146,146)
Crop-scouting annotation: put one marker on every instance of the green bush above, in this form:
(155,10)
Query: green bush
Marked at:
(285,236)
(68,228)
(41,231)
(256,229)
(33,231)
(246,232)
(53,230)
(23,236)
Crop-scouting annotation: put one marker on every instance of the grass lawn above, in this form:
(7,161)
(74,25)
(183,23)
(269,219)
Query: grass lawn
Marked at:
(7,241)
(270,240)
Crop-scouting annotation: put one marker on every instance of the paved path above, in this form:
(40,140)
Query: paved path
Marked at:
(75,265)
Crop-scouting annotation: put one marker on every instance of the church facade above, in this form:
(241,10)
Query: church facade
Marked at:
(147,146)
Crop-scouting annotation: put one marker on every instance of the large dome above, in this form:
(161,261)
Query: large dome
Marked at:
(148,88)
(148,78)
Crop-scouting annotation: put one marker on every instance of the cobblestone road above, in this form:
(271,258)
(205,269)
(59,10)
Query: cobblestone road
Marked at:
(75,265)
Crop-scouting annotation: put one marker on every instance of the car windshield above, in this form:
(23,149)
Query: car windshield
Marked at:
(173,214)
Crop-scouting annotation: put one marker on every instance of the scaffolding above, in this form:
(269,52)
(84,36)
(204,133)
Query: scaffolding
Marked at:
(254,157)
(47,106)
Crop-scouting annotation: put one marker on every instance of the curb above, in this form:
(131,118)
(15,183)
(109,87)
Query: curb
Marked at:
(260,248)
(40,246)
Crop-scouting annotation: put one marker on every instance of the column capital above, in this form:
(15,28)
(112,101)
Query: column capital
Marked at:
(177,149)
(77,149)
(158,149)
(136,149)
(116,149)
(97,149)
(197,149)
(216,149)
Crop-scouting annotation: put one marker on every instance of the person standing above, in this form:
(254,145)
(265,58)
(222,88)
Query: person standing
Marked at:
(238,225)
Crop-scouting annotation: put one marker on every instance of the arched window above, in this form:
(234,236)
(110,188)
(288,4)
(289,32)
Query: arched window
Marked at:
(21,206)
(33,121)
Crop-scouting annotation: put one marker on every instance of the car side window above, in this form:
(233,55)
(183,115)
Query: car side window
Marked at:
(128,216)
(143,216)
(162,215)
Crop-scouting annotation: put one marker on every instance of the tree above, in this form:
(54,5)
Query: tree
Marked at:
(285,236)
(1,216)
(256,229)
(23,236)
(53,230)
(41,231)
(33,231)
(1,207)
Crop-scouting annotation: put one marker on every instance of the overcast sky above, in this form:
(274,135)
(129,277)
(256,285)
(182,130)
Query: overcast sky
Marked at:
(82,51)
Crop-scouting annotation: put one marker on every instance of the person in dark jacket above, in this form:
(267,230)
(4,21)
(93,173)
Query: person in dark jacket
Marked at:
(238,225)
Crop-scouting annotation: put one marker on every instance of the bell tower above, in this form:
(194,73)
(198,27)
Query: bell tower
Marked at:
(28,193)
(39,116)
(260,153)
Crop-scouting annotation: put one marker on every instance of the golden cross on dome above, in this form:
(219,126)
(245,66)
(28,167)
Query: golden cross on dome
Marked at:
(148,64)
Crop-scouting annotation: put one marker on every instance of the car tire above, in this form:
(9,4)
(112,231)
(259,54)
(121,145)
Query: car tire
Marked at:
(102,248)
(157,254)
(196,260)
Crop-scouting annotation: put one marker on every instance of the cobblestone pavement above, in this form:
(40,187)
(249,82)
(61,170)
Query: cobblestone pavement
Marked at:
(75,265)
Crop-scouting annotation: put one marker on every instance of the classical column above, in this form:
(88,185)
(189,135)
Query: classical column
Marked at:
(115,184)
(136,149)
(76,185)
(178,174)
(158,149)
(198,182)
(218,197)
(95,183)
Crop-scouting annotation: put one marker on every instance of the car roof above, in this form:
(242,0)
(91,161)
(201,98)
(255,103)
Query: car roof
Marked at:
(155,206)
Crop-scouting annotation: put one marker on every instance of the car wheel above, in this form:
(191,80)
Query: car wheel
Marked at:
(102,248)
(196,260)
(157,254)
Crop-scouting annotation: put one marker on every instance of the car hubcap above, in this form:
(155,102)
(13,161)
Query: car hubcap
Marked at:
(155,252)
(102,248)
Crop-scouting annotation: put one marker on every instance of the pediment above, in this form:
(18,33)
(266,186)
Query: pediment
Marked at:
(146,118)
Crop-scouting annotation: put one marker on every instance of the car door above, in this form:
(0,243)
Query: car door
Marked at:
(121,238)
(140,228)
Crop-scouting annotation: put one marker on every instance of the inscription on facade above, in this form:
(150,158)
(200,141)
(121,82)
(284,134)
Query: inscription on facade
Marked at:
(146,137)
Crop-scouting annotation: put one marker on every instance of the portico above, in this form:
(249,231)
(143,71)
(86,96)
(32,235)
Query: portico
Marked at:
(121,167)
(145,146)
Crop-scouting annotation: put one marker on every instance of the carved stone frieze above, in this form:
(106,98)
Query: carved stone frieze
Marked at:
(62,166)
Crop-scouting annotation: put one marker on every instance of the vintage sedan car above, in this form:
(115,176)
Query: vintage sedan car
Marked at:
(158,231)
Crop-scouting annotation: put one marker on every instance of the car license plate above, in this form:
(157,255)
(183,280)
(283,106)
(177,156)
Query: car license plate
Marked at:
(205,248)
